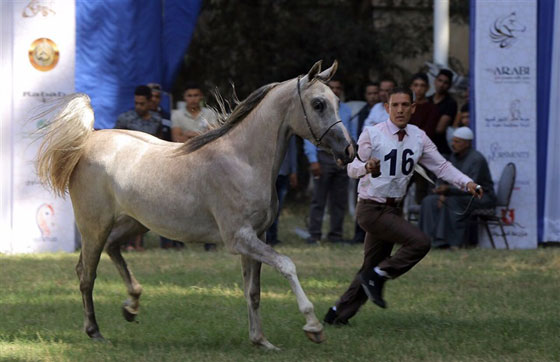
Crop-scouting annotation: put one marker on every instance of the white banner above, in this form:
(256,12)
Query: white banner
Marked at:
(42,66)
(505,65)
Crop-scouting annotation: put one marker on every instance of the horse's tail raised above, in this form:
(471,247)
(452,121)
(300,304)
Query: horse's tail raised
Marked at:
(69,124)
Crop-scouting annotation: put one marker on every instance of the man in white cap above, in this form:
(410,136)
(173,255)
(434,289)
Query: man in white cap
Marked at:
(439,217)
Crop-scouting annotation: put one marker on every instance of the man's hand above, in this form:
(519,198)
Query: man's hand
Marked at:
(373,166)
(315,169)
(293,180)
(441,189)
(475,189)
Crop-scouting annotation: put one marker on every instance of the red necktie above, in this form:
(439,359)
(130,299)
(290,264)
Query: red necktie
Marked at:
(401,134)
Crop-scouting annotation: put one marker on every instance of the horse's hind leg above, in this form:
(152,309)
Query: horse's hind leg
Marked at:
(124,228)
(86,270)
(252,287)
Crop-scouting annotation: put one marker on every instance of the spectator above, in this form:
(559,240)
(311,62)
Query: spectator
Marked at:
(329,181)
(447,107)
(287,176)
(165,134)
(194,119)
(156,108)
(425,116)
(371,95)
(462,120)
(140,119)
(378,113)
(438,215)
(390,150)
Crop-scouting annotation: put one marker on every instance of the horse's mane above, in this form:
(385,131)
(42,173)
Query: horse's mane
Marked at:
(239,113)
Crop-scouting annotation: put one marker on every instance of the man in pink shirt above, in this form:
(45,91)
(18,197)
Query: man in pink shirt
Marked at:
(387,154)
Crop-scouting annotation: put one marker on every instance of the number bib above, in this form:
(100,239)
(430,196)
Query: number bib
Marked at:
(397,160)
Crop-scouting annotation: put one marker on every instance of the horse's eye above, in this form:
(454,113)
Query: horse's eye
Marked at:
(318,105)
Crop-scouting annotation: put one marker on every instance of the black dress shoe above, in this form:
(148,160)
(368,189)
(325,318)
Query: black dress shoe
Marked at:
(331,318)
(373,286)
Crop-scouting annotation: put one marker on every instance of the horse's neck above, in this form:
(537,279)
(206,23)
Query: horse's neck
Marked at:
(263,136)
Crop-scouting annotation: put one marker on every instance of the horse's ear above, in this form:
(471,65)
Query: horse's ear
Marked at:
(315,69)
(327,74)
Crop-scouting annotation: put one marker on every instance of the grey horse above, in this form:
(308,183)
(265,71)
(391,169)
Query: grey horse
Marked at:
(217,187)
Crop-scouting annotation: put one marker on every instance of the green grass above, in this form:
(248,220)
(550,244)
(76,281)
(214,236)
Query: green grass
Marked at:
(466,305)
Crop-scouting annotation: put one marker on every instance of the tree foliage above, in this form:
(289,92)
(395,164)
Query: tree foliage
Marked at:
(255,42)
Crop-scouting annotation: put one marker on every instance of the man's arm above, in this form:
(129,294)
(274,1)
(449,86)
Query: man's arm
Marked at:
(443,169)
(311,152)
(357,168)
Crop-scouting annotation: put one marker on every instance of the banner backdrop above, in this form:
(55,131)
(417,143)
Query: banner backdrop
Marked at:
(505,78)
(42,68)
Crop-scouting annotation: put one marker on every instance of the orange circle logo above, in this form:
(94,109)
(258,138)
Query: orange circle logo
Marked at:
(43,54)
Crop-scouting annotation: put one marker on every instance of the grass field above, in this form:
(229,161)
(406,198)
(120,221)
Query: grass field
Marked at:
(465,305)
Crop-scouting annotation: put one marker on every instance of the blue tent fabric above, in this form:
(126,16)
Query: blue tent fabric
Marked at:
(545,13)
(122,44)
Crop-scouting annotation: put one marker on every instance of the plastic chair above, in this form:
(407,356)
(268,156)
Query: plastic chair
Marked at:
(488,217)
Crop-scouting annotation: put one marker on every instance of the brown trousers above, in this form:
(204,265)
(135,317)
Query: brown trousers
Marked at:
(384,226)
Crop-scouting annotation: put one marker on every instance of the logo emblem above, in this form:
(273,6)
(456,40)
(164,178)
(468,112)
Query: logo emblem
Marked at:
(45,220)
(43,54)
(504,30)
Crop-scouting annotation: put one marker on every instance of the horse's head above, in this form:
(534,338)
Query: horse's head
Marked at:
(316,117)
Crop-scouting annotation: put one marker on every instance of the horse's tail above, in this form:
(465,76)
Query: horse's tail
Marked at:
(69,125)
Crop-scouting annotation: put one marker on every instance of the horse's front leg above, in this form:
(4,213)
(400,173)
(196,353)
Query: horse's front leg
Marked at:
(248,244)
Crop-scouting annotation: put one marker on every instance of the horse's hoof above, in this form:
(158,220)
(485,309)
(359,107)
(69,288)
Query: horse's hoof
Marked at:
(267,345)
(317,337)
(128,315)
(96,336)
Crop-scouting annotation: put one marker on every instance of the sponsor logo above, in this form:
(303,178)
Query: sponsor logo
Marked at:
(43,54)
(496,153)
(505,29)
(35,7)
(514,120)
(511,74)
(44,96)
(44,218)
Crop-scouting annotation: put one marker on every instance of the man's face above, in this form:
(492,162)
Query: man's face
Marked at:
(442,84)
(400,109)
(465,119)
(192,98)
(142,105)
(336,87)
(156,98)
(372,94)
(384,89)
(459,145)
(419,88)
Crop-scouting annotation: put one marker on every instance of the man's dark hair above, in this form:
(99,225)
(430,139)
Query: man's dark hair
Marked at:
(371,84)
(447,73)
(421,76)
(191,85)
(465,108)
(143,90)
(387,78)
(402,90)
(337,79)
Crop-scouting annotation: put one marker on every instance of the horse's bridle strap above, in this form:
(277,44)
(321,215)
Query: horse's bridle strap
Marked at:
(317,140)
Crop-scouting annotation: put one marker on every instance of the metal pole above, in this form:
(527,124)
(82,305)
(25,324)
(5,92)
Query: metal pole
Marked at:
(441,31)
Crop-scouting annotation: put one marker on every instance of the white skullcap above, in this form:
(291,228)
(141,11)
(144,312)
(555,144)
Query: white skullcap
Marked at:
(464,133)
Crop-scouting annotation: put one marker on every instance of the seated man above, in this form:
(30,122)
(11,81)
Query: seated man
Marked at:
(439,217)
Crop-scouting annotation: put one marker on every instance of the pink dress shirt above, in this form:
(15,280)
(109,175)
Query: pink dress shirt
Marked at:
(430,158)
